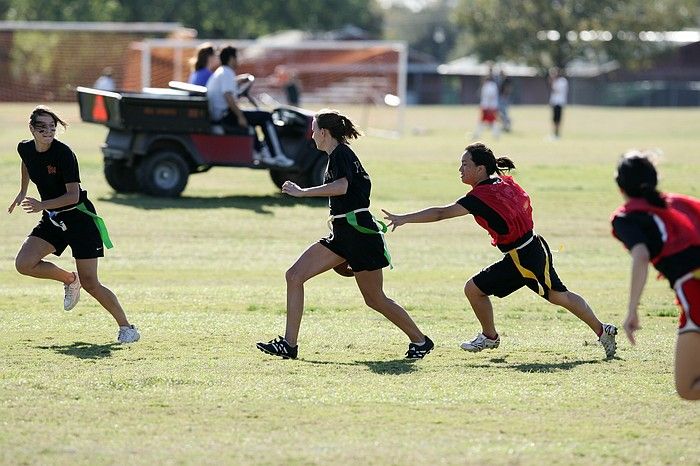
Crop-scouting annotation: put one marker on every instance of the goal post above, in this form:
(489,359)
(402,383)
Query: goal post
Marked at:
(366,77)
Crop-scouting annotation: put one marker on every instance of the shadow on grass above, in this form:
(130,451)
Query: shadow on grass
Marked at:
(551,367)
(394,367)
(537,367)
(82,350)
(258,204)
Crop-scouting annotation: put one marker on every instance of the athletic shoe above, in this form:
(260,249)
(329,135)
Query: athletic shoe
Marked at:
(278,161)
(607,339)
(416,351)
(72,294)
(278,347)
(128,334)
(481,342)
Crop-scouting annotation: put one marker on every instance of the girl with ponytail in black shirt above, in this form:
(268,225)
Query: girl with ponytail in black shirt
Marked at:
(355,238)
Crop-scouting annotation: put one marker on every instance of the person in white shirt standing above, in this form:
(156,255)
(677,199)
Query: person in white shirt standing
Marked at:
(222,91)
(105,82)
(559,87)
(489,107)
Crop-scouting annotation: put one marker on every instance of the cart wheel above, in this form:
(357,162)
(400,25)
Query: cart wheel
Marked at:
(164,174)
(120,177)
(317,173)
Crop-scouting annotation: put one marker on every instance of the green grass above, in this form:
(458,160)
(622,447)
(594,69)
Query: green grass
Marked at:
(203,278)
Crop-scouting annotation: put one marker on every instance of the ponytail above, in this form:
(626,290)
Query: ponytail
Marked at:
(482,155)
(504,164)
(340,126)
(652,196)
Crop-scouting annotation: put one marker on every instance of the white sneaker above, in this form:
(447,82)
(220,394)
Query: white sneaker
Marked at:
(278,161)
(72,293)
(479,343)
(128,334)
(607,339)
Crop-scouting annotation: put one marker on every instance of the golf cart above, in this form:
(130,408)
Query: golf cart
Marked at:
(160,136)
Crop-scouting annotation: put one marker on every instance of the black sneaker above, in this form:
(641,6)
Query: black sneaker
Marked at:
(279,347)
(416,351)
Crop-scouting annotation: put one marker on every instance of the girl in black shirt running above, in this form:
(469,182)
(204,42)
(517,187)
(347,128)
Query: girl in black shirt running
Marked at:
(355,238)
(68,218)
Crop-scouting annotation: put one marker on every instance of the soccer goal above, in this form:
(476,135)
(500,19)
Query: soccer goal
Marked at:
(365,78)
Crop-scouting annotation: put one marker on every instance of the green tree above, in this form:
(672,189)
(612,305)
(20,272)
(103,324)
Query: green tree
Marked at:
(211,18)
(516,29)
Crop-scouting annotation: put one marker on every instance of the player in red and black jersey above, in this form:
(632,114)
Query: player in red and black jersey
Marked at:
(663,229)
(503,208)
(68,218)
(355,239)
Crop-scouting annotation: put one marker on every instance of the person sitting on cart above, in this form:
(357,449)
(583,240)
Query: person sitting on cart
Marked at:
(222,90)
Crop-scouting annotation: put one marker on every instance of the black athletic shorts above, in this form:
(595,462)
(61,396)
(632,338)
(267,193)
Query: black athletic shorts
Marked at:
(363,251)
(81,233)
(556,113)
(529,266)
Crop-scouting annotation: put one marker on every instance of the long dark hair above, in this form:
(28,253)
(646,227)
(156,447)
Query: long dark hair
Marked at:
(636,176)
(482,155)
(44,110)
(340,126)
(204,51)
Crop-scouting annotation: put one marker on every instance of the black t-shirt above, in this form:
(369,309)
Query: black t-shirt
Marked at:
(343,163)
(478,208)
(639,227)
(51,170)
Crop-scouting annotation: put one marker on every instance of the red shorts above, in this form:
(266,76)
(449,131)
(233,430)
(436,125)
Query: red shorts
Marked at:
(688,293)
(488,115)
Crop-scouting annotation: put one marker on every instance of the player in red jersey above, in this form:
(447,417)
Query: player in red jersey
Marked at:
(663,229)
(503,208)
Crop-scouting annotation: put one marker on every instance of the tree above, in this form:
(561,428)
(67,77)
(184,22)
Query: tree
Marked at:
(213,19)
(554,32)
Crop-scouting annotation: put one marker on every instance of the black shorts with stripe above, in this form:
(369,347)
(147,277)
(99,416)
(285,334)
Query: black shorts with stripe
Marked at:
(81,233)
(363,251)
(529,266)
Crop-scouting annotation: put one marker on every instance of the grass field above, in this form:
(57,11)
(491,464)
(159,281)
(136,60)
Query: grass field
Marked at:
(203,278)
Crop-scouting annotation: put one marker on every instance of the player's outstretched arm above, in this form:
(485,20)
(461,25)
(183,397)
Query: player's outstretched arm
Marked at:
(334,188)
(431,214)
(640,270)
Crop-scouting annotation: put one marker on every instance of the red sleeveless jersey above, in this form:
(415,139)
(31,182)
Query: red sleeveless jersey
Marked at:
(511,202)
(678,222)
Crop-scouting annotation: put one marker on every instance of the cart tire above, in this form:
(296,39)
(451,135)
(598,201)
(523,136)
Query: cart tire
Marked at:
(164,174)
(120,177)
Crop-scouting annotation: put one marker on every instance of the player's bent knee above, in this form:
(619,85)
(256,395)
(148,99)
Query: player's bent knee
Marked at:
(90,284)
(23,265)
(293,277)
(470,289)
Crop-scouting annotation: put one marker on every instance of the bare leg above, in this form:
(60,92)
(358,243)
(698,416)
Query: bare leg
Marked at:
(29,261)
(371,286)
(578,307)
(483,309)
(315,260)
(87,271)
(688,365)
